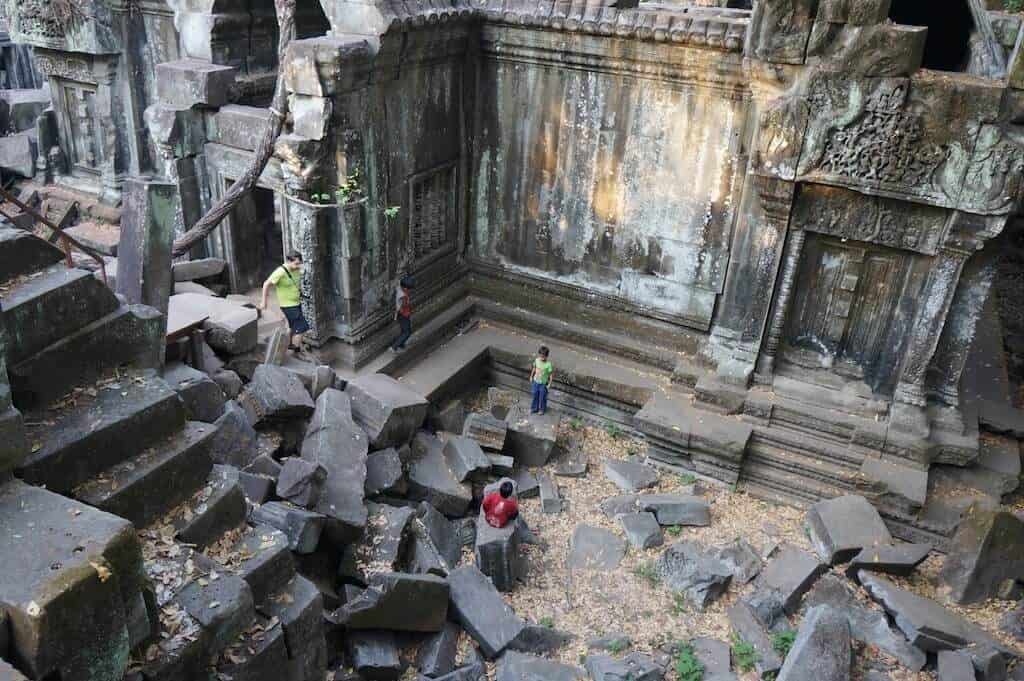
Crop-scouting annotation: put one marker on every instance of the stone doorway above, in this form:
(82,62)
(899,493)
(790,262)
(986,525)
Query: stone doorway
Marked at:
(253,239)
(845,309)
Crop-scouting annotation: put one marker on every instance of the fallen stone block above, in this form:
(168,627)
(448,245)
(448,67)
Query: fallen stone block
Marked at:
(1001,417)
(632,667)
(301,481)
(437,654)
(203,398)
(260,654)
(299,607)
(900,560)
(481,610)
(382,546)
(275,394)
(954,665)
(431,480)
(613,643)
(677,509)
(334,441)
(716,657)
(221,507)
(200,268)
(192,287)
(868,625)
(822,650)
(264,464)
(465,457)
(526,483)
(498,554)
(384,473)
(630,476)
(1013,622)
(594,548)
(642,530)
(18,153)
(374,655)
(926,624)
(501,464)
(687,568)
(388,411)
(302,527)
(184,83)
(550,499)
(791,572)
(538,639)
(988,663)
(839,528)
(623,503)
(531,437)
(746,626)
(741,558)
(230,327)
(277,347)
(449,417)
(489,432)
(572,466)
(443,533)
(229,381)
(397,602)
(223,607)
(515,666)
(987,549)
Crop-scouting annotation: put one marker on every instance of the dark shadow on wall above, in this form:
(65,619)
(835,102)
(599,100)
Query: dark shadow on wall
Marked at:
(949,24)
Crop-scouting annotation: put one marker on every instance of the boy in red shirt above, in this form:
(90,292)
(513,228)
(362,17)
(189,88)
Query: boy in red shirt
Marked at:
(500,507)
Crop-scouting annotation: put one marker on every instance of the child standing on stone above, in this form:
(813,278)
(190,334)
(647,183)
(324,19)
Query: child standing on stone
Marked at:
(540,379)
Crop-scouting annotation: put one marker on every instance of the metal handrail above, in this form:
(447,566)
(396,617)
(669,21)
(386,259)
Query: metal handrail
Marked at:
(66,240)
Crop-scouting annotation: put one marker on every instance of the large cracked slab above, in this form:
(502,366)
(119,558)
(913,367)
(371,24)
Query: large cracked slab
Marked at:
(389,411)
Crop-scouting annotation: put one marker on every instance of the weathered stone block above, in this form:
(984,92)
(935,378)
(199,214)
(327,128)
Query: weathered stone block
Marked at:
(839,528)
(374,654)
(531,437)
(987,549)
(204,400)
(465,457)
(642,530)
(302,527)
(498,554)
(389,411)
(791,572)
(481,610)
(594,548)
(384,473)
(148,219)
(821,651)
(382,547)
(746,626)
(689,569)
(398,602)
(200,268)
(516,666)
(275,394)
(630,476)
(185,83)
(431,480)
(223,607)
(490,432)
(300,481)
(900,559)
(18,154)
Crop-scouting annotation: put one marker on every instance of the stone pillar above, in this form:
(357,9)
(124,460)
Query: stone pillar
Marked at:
(961,326)
(753,268)
(766,360)
(306,229)
(931,317)
(147,234)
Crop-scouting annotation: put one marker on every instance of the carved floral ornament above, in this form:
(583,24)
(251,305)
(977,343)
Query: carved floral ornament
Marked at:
(860,133)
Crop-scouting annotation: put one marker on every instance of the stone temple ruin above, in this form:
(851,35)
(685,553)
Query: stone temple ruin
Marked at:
(773,245)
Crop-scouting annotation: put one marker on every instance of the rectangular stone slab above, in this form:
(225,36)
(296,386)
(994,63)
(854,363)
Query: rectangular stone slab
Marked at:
(481,610)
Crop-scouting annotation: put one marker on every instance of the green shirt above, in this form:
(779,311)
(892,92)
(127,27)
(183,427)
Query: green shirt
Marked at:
(542,370)
(286,285)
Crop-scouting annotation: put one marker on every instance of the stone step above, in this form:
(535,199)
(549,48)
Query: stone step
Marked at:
(213,511)
(819,469)
(261,557)
(793,485)
(810,443)
(131,335)
(121,418)
(22,252)
(145,487)
(50,305)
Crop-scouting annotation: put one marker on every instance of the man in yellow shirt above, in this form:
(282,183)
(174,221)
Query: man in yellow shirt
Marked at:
(285,280)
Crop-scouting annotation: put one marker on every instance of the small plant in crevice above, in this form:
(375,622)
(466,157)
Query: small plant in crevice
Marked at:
(633,448)
(547,621)
(648,572)
(686,664)
(679,605)
(674,530)
(687,478)
(575,423)
(744,655)
(614,430)
(782,642)
(617,646)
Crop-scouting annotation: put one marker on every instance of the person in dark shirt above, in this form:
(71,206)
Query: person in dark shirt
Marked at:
(501,507)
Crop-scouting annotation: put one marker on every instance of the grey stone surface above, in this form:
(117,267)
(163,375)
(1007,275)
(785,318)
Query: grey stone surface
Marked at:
(230,327)
(632,667)
(613,643)
(515,666)
(539,639)
(188,82)
(716,657)
(839,528)
(1013,622)
(228,380)
(481,611)
(437,654)
(431,480)
(218,508)
(572,466)
(384,473)
(199,268)
(868,625)
(900,559)
(987,549)
(18,153)
(926,624)
(388,411)
(954,665)
(450,416)
(531,437)
(791,573)
(642,530)
(693,571)
(465,457)
(550,499)
(501,464)
(741,558)
(630,476)
(334,441)
(144,247)
(498,553)
(397,602)
(442,532)
(746,626)
(374,654)
(301,481)
(526,483)
(822,650)
(224,608)
(594,548)
(381,547)
(275,394)
(488,431)
(301,526)
(677,509)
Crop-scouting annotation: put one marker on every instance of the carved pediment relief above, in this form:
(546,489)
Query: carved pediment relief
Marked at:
(73,25)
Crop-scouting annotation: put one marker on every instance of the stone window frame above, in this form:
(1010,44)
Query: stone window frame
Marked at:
(448,245)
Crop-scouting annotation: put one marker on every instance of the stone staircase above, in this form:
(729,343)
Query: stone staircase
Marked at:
(135,559)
